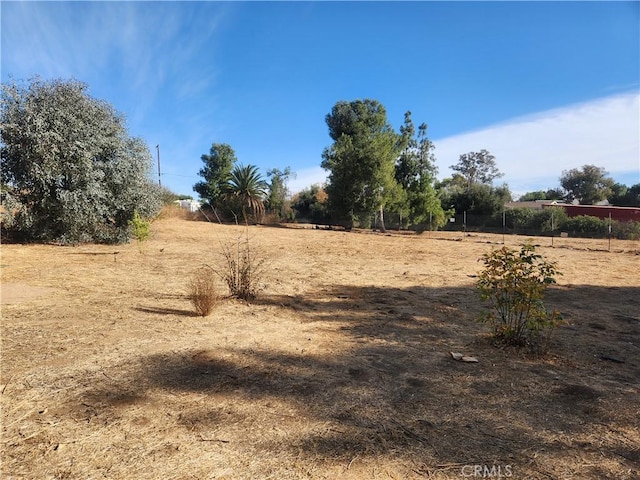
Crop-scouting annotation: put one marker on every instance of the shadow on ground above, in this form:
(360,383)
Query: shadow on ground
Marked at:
(392,389)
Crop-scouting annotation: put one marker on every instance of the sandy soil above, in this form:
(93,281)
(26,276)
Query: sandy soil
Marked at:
(341,368)
(21,292)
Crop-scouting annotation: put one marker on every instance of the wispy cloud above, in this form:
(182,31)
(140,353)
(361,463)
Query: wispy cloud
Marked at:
(139,48)
(155,62)
(306,177)
(533,151)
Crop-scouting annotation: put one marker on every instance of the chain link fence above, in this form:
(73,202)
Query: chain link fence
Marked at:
(552,224)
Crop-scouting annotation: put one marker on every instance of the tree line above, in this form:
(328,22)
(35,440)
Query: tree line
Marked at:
(71,173)
(374,173)
(239,191)
(589,185)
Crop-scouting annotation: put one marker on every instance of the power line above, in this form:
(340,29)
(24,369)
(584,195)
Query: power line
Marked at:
(178,175)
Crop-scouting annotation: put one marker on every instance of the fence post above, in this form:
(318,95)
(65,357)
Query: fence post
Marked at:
(609,231)
(464,224)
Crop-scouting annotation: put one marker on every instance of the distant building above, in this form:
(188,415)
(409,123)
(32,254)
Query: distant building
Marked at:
(191,205)
(621,214)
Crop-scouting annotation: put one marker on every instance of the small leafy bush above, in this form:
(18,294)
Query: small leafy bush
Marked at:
(140,228)
(202,292)
(514,284)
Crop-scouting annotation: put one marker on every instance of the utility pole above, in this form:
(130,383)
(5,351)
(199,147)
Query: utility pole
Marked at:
(159,181)
(609,230)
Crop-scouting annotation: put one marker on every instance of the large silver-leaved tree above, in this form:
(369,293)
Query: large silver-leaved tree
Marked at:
(70,171)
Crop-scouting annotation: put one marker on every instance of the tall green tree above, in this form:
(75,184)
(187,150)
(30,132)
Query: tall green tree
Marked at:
(479,199)
(624,196)
(278,191)
(470,189)
(360,161)
(588,185)
(216,172)
(415,172)
(477,167)
(247,186)
(71,170)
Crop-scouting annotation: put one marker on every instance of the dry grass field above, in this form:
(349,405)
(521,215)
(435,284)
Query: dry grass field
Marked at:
(340,369)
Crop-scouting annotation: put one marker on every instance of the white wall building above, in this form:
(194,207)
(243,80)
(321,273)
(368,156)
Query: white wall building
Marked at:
(191,205)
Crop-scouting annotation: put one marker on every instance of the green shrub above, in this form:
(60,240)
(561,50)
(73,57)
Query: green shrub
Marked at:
(626,230)
(140,228)
(519,218)
(585,225)
(514,284)
(549,220)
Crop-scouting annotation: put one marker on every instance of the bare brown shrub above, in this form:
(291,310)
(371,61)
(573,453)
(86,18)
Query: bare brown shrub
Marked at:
(243,268)
(202,292)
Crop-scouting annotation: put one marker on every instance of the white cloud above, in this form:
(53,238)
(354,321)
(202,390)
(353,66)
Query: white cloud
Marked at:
(307,177)
(533,151)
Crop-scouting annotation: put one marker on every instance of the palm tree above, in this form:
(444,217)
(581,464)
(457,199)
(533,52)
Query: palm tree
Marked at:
(246,184)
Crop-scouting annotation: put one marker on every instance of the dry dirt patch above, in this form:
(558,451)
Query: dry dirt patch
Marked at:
(20,292)
(340,368)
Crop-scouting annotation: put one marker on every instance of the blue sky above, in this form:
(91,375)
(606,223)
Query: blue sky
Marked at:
(544,86)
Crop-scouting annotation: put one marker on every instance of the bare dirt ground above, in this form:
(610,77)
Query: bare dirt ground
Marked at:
(340,369)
